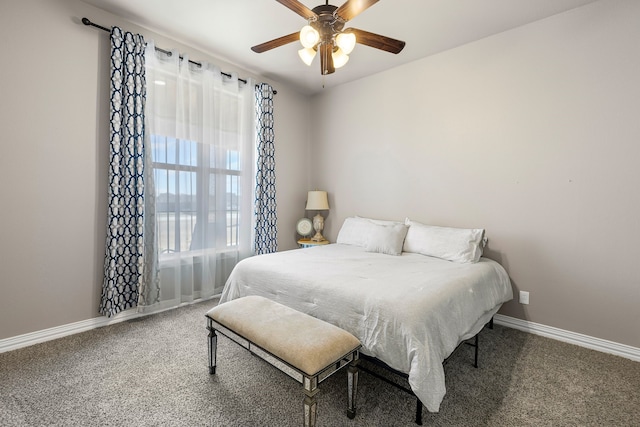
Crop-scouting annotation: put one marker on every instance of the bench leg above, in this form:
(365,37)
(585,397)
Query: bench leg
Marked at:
(310,403)
(213,344)
(352,380)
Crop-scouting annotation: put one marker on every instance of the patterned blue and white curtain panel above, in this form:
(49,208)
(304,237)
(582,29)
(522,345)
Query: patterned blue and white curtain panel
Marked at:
(130,271)
(266,231)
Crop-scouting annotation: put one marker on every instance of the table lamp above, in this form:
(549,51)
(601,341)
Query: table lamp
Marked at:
(317,201)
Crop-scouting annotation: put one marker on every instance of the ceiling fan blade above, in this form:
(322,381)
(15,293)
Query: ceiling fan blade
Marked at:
(376,40)
(351,8)
(280,41)
(298,8)
(326,59)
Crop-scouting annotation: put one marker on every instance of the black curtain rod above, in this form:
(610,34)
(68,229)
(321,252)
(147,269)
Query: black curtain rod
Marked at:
(86,21)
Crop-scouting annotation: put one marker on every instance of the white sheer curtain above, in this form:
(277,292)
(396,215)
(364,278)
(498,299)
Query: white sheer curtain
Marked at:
(201,126)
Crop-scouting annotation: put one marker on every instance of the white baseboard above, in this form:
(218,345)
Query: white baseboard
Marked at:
(575,338)
(581,340)
(49,334)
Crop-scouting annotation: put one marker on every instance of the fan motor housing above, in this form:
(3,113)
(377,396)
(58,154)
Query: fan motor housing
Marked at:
(327,23)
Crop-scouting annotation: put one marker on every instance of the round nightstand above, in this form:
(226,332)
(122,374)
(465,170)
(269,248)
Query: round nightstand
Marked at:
(308,243)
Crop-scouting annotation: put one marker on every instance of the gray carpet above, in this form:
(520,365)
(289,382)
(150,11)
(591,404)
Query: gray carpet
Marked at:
(152,372)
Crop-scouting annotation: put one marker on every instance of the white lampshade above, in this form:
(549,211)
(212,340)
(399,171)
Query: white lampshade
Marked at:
(309,37)
(307,55)
(317,201)
(339,58)
(346,42)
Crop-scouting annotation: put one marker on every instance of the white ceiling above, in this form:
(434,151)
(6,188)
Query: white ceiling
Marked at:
(228,28)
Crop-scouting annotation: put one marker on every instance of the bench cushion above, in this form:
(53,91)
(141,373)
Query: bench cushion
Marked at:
(304,342)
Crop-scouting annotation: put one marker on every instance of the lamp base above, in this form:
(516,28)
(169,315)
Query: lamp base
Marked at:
(318,237)
(318,225)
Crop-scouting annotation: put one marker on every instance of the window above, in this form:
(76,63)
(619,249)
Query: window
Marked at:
(184,170)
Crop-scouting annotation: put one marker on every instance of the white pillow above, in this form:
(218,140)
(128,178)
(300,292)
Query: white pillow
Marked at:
(355,231)
(462,245)
(386,239)
(381,221)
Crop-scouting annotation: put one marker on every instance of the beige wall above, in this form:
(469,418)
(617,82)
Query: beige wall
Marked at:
(533,134)
(53,167)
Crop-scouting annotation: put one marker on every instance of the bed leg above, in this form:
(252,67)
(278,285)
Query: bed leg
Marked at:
(491,323)
(475,362)
(418,412)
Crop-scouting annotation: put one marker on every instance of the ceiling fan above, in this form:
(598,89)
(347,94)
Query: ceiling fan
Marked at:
(325,33)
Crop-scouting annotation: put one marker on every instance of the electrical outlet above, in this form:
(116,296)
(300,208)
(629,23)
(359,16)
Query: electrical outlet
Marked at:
(524,297)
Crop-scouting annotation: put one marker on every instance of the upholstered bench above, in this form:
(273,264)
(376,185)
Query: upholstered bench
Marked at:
(307,349)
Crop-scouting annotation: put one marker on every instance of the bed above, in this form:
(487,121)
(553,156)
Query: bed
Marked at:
(409,308)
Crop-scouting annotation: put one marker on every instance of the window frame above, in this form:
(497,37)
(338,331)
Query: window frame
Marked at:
(227,232)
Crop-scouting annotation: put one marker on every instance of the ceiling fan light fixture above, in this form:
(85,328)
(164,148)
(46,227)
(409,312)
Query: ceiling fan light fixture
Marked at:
(307,55)
(325,35)
(339,58)
(346,42)
(309,37)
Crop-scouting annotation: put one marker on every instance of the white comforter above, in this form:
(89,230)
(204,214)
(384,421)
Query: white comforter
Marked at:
(409,311)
